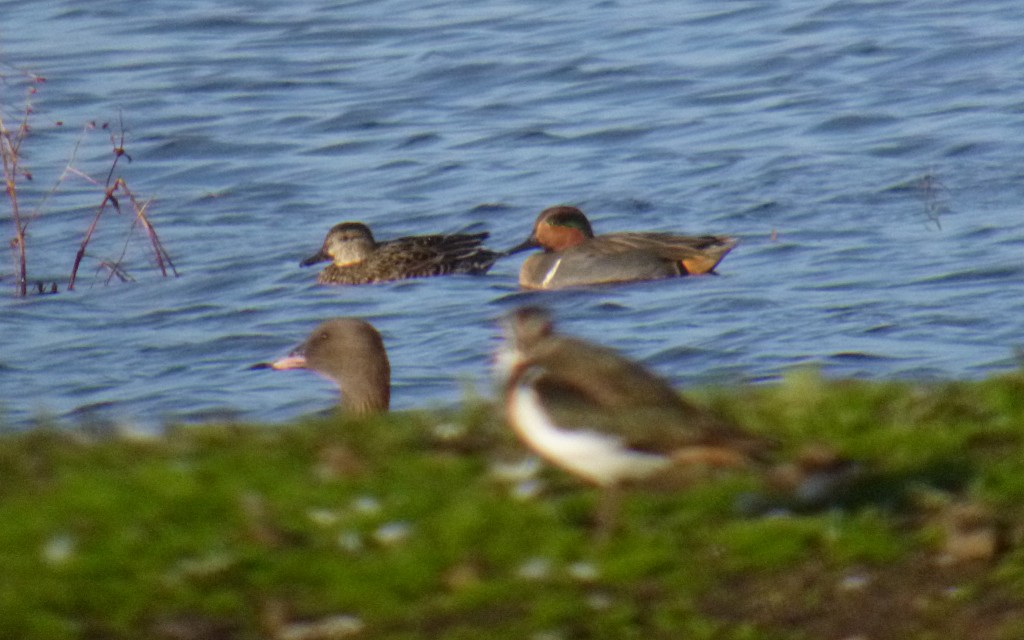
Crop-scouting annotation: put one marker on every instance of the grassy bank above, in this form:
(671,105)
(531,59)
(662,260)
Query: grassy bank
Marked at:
(423,526)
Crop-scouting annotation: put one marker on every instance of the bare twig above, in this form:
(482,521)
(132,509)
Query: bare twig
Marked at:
(115,270)
(114,189)
(159,252)
(10,149)
(107,197)
(163,259)
(118,146)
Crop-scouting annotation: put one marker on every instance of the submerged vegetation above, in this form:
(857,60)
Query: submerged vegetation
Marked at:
(421,525)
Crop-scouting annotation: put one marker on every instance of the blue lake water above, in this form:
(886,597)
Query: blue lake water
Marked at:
(867,154)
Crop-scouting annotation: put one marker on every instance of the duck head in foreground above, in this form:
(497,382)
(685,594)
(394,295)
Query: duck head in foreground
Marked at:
(349,352)
(573,256)
(357,258)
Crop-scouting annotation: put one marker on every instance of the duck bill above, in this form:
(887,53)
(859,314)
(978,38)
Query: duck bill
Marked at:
(294,360)
(290,361)
(529,243)
(319,256)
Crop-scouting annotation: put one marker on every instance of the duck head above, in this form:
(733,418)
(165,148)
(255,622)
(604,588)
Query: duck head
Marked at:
(350,353)
(346,244)
(557,228)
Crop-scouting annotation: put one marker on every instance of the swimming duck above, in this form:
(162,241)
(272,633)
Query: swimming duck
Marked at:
(573,256)
(349,352)
(605,418)
(358,259)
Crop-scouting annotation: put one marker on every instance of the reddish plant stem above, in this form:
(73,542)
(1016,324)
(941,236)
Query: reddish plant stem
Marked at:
(107,197)
(159,252)
(10,152)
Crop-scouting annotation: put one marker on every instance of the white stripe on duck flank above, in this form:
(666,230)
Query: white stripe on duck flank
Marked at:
(551,274)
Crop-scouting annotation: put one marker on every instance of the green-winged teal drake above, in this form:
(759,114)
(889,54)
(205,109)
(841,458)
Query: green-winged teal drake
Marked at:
(573,256)
(349,352)
(356,258)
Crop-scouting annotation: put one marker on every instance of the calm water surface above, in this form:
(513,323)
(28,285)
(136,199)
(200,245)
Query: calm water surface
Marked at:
(868,155)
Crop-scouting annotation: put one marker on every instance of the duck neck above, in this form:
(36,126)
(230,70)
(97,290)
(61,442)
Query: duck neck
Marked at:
(368,395)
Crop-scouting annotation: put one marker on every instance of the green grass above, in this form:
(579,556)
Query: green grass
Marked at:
(393,528)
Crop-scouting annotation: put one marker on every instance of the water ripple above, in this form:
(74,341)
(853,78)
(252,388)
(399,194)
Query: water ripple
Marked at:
(865,153)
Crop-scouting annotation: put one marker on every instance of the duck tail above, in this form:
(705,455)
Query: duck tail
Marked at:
(705,260)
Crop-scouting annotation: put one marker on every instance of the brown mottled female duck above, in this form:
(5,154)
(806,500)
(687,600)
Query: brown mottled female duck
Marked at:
(358,259)
(573,256)
(349,352)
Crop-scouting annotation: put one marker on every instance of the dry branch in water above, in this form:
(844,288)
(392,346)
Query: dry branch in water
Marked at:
(10,149)
(114,188)
(163,259)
